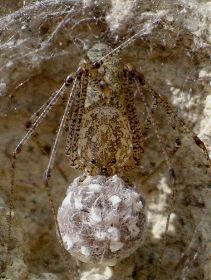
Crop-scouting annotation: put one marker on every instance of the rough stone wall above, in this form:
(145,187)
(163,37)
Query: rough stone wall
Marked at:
(43,41)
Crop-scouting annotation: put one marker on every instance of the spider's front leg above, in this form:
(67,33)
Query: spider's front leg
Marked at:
(35,121)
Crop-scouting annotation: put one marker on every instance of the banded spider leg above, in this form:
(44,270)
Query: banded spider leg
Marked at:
(144,90)
(36,120)
(73,115)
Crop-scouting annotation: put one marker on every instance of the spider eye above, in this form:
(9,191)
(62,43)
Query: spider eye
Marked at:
(93,161)
(113,161)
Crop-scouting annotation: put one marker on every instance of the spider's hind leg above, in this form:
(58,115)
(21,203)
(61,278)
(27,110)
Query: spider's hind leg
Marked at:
(172,177)
(175,123)
(171,172)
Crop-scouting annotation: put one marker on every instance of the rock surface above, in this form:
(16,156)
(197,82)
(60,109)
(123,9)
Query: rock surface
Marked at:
(43,41)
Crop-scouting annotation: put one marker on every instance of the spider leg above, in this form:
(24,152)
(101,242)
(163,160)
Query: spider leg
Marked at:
(75,124)
(52,97)
(147,29)
(39,119)
(47,108)
(60,131)
(42,108)
(160,140)
(71,115)
(173,116)
(172,176)
(46,153)
(138,131)
(190,253)
(50,165)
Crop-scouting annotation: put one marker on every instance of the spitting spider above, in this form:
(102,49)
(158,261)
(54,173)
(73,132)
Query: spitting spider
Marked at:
(104,134)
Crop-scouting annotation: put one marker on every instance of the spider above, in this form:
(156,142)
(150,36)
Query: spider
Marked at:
(104,134)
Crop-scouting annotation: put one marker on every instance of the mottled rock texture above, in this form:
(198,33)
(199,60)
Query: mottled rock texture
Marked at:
(43,41)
